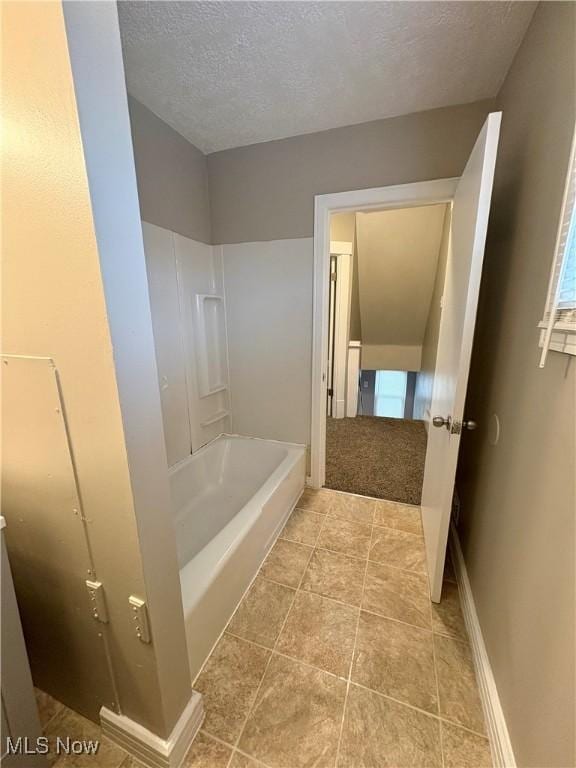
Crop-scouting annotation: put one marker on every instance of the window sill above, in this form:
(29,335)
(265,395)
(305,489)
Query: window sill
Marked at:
(563,337)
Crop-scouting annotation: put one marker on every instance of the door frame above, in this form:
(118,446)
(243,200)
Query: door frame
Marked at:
(377,198)
(342,251)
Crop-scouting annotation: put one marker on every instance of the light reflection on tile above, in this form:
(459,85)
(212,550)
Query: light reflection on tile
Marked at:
(397,660)
(447,616)
(296,719)
(335,575)
(463,749)
(303,527)
(397,594)
(345,537)
(379,732)
(320,632)
(399,549)
(459,697)
(286,562)
(260,615)
(228,683)
(403,517)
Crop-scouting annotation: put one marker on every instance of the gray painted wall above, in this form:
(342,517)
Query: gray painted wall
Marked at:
(518,497)
(266,191)
(172,176)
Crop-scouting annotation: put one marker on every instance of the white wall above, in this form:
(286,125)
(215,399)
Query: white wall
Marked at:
(200,273)
(269,308)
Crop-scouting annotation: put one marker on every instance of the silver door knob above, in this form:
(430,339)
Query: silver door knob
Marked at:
(469,424)
(440,421)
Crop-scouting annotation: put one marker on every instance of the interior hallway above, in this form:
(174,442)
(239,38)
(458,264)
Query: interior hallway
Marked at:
(376,456)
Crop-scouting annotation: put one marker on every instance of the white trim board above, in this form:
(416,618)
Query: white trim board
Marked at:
(145,746)
(378,198)
(500,744)
(343,300)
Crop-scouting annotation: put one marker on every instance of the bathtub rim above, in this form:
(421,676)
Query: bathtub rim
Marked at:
(257,500)
(180,464)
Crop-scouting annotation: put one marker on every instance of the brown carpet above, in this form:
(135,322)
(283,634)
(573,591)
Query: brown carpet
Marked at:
(376,456)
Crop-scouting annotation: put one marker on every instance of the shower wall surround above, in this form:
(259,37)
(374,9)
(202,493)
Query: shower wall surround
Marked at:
(185,279)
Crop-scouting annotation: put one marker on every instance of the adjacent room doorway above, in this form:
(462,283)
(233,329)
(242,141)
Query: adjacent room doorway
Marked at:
(469,197)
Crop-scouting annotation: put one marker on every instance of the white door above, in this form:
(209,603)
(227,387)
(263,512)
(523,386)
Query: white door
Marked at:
(470,211)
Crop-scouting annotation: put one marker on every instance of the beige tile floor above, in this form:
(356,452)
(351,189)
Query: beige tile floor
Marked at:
(335,656)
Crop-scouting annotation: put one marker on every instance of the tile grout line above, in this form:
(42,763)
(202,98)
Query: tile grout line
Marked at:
(401,702)
(339,745)
(346,605)
(437,685)
(232,748)
(362,496)
(419,535)
(418,709)
(313,548)
(367,562)
(248,588)
(290,658)
(62,707)
(272,650)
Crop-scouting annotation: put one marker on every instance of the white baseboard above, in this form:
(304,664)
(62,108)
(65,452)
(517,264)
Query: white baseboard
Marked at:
(500,744)
(148,748)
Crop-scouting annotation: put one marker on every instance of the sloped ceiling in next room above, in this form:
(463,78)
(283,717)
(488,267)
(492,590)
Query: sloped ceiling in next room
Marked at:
(397,259)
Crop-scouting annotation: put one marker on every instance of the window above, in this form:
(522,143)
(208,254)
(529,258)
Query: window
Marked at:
(390,394)
(558,327)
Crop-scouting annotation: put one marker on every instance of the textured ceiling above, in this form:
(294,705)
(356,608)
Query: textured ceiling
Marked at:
(227,74)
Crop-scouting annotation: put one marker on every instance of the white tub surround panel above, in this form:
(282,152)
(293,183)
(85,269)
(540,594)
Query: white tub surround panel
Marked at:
(203,317)
(269,311)
(189,318)
(168,340)
(230,501)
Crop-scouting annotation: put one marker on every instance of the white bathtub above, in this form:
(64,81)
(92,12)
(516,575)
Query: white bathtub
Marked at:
(230,501)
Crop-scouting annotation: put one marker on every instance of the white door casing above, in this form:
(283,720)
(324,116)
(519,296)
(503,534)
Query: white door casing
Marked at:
(400,196)
(471,207)
(343,298)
